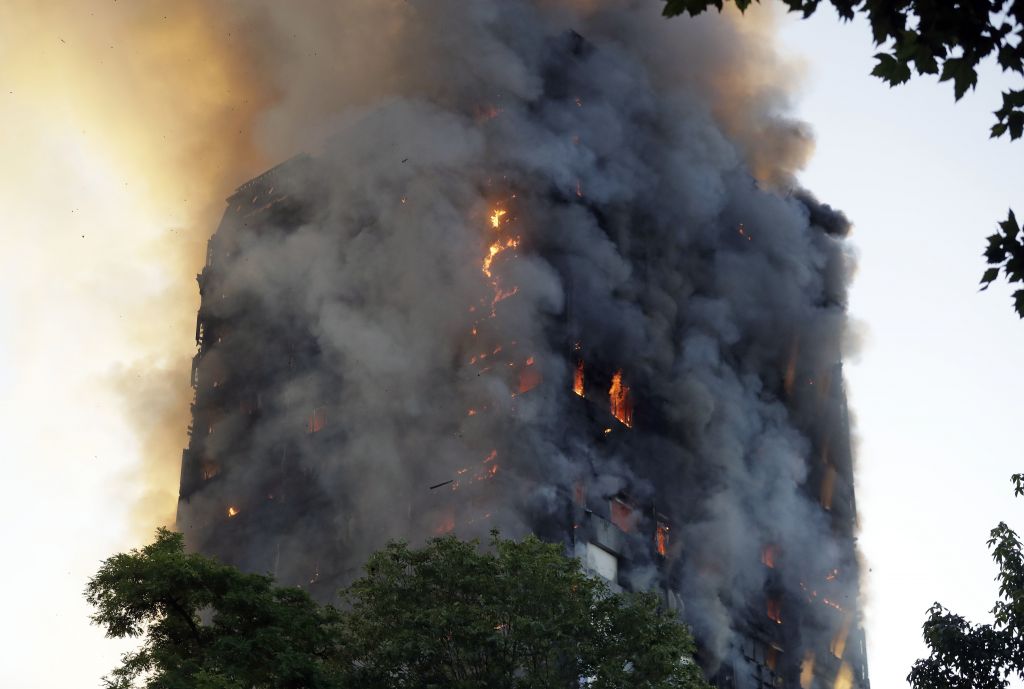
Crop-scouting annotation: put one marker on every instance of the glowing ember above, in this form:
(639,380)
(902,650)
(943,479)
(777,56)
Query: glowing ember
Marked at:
(317,420)
(768,556)
(577,379)
(622,515)
(774,610)
(232,511)
(529,377)
(833,604)
(501,295)
(445,523)
(621,405)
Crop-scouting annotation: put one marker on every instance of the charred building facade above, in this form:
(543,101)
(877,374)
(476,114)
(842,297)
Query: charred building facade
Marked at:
(573,312)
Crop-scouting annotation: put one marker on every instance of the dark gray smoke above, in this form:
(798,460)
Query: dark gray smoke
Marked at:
(650,225)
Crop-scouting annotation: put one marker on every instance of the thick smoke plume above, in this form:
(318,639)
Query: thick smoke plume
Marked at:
(637,178)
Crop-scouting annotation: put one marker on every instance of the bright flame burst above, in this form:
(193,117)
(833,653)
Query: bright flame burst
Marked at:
(495,249)
(618,396)
(232,511)
(844,678)
(577,379)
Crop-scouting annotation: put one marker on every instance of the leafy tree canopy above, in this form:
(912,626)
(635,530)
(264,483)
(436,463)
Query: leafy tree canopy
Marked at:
(929,37)
(205,625)
(980,656)
(520,614)
(948,39)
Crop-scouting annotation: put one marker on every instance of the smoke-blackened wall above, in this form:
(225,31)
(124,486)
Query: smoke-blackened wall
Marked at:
(509,203)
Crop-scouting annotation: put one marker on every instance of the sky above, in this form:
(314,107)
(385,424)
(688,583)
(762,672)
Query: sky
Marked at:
(933,388)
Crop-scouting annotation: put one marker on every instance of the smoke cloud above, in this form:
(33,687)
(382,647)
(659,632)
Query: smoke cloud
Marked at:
(497,190)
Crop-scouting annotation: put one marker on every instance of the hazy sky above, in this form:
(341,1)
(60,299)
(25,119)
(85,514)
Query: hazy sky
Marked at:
(935,389)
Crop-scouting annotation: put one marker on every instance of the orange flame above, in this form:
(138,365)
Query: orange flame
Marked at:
(622,515)
(661,538)
(838,645)
(232,511)
(774,610)
(496,217)
(844,678)
(496,248)
(577,379)
(621,405)
(807,670)
(790,377)
(317,420)
(768,555)
(486,112)
(579,493)
(828,484)
(529,377)
(446,523)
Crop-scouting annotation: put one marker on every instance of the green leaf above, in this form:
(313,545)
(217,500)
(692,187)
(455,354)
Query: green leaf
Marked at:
(1015,121)
(962,73)
(890,69)
(925,62)
(692,7)
(1018,302)
(1009,226)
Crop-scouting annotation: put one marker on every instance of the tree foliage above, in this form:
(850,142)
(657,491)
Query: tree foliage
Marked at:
(1005,251)
(948,39)
(980,656)
(205,625)
(520,614)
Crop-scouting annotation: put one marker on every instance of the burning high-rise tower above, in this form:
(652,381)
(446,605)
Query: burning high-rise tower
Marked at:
(547,294)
